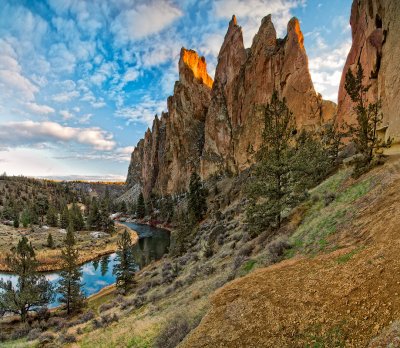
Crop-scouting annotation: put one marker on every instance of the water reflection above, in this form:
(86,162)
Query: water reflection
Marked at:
(97,274)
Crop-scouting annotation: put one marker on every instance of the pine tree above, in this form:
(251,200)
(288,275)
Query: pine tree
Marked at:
(197,198)
(77,218)
(25,218)
(273,188)
(50,241)
(64,221)
(16,219)
(140,207)
(52,217)
(94,217)
(369,117)
(182,234)
(125,266)
(32,291)
(70,283)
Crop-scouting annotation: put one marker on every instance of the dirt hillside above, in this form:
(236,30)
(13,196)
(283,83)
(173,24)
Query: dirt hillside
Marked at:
(344,298)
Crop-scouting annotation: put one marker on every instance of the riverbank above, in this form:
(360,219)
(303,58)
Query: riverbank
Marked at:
(90,247)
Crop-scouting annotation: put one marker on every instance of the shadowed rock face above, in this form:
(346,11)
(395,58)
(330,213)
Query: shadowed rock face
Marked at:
(375,27)
(212,126)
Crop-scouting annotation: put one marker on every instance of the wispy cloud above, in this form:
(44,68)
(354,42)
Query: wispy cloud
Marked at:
(28,132)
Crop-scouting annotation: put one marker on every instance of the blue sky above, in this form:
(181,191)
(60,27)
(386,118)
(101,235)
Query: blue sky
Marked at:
(80,81)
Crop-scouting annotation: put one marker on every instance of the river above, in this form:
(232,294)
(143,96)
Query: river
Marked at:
(152,245)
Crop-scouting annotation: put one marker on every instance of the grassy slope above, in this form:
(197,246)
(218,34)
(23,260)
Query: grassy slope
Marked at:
(342,294)
(335,287)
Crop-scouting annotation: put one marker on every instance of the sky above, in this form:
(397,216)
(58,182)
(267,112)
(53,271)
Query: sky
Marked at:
(81,80)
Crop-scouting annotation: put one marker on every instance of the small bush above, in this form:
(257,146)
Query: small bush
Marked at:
(66,338)
(20,331)
(33,334)
(46,338)
(277,249)
(58,323)
(85,317)
(245,250)
(175,331)
(106,306)
(329,197)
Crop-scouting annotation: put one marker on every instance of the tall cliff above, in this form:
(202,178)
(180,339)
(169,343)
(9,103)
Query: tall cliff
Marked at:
(171,150)
(246,78)
(212,127)
(375,27)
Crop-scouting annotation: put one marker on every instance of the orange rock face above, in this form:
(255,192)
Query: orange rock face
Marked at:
(197,66)
(213,127)
(246,79)
(375,27)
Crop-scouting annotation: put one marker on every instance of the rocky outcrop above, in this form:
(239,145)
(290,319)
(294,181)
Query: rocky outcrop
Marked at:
(214,127)
(171,150)
(244,80)
(375,26)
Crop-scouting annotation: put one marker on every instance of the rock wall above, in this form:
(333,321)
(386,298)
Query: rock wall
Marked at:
(213,127)
(245,79)
(375,28)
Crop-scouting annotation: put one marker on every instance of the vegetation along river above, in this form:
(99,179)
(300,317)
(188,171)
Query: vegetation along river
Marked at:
(152,245)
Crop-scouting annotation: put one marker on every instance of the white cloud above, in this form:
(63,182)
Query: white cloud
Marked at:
(64,97)
(39,109)
(143,112)
(66,115)
(12,80)
(29,132)
(144,19)
(326,67)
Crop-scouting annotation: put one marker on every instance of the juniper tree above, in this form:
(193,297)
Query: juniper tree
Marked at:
(125,266)
(76,218)
(52,217)
(32,291)
(70,283)
(64,220)
(197,198)
(368,116)
(50,241)
(140,207)
(273,188)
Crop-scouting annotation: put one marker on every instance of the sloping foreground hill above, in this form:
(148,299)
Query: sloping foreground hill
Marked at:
(342,298)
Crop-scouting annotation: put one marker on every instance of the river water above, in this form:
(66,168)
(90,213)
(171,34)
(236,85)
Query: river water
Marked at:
(152,245)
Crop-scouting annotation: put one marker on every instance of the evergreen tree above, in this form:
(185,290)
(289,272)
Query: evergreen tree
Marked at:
(32,291)
(16,219)
(125,266)
(25,218)
(197,198)
(70,283)
(181,236)
(77,218)
(140,207)
(52,217)
(64,220)
(273,188)
(369,117)
(50,241)
(94,216)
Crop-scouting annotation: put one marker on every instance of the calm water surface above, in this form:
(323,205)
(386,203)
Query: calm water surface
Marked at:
(97,274)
